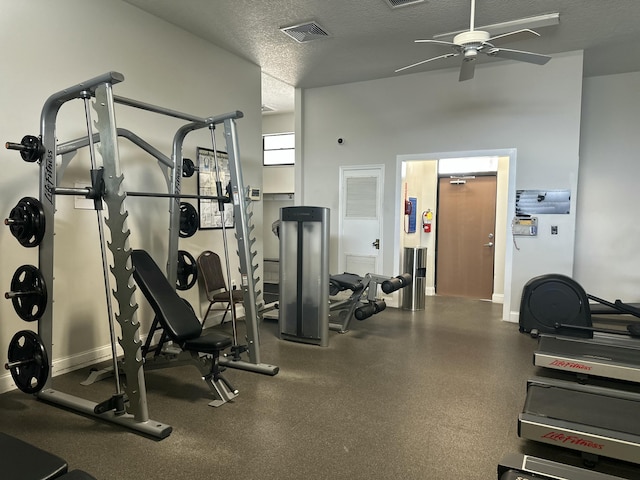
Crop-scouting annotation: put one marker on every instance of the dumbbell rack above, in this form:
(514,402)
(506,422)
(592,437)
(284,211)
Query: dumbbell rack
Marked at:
(136,415)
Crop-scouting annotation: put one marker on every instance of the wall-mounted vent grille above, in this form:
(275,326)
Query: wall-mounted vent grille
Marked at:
(402,3)
(305,32)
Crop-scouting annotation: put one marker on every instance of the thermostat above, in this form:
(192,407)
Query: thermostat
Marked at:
(253,193)
(525,226)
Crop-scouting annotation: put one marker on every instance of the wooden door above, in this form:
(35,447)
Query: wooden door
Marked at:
(465,236)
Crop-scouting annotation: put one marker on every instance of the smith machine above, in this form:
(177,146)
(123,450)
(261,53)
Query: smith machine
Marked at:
(32,291)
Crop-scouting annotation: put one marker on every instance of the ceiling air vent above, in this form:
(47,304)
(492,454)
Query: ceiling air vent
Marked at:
(305,32)
(402,3)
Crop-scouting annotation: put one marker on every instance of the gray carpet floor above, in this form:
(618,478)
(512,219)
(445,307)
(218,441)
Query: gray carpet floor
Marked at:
(433,394)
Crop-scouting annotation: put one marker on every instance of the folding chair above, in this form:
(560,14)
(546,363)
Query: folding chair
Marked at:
(215,284)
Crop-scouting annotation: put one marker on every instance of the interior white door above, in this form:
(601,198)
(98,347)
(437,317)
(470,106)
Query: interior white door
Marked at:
(360,221)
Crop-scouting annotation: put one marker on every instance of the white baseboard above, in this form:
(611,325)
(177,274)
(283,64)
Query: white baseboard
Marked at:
(70,363)
(6,383)
(497,298)
(64,365)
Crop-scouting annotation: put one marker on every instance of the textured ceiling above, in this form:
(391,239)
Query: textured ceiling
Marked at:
(368,39)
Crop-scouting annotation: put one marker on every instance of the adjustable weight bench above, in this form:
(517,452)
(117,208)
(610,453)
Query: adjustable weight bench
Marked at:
(362,303)
(22,461)
(180,325)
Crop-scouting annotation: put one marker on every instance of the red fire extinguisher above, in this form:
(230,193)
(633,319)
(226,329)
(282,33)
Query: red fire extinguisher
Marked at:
(427,217)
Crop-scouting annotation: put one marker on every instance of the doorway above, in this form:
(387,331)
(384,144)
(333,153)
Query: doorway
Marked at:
(465,236)
(426,188)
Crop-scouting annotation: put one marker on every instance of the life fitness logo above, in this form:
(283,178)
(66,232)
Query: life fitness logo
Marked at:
(571,365)
(573,440)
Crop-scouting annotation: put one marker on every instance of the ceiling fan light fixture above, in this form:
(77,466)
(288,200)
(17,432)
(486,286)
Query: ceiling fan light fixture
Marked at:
(476,37)
(470,54)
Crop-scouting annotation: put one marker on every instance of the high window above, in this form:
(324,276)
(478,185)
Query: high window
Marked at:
(279,149)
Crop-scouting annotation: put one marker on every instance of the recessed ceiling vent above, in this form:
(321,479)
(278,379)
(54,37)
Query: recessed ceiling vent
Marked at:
(305,32)
(402,3)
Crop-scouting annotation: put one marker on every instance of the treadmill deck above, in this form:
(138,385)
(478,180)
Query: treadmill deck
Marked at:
(596,420)
(589,357)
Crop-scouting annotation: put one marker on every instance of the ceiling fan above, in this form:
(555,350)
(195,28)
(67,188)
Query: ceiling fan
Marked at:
(472,42)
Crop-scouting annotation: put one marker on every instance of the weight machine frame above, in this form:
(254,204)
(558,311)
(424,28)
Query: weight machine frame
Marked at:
(136,416)
(346,308)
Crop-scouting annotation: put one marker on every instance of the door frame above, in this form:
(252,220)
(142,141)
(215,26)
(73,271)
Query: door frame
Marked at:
(511,154)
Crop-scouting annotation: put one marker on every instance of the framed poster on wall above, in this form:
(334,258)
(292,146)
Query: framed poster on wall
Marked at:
(208,210)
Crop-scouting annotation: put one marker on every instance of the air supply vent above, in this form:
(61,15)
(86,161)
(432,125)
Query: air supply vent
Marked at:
(402,3)
(305,32)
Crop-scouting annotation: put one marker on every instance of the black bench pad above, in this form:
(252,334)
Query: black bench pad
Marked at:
(344,281)
(207,343)
(22,461)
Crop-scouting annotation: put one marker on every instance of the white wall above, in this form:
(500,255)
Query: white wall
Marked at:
(421,180)
(48,46)
(607,262)
(533,109)
(278,123)
(278,182)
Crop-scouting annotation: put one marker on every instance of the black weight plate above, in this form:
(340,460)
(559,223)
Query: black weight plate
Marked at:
(188,168)
(31,302)
(188,220)
(26,346)
(34,148)
(187,271)
(27,222)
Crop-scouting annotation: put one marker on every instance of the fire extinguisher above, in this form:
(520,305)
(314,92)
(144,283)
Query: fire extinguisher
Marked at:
(427,217)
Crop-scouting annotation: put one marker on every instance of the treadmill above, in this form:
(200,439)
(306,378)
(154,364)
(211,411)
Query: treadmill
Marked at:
(595,420)
(556,309)
(598,357)
(516,466)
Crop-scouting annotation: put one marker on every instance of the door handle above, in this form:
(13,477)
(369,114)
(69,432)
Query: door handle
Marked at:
(490,244)
(376,244)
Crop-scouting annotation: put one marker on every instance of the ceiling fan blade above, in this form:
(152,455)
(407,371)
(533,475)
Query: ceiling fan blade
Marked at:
(426,61)
(515,36)
(467,69)
(518,55)
(439,42)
